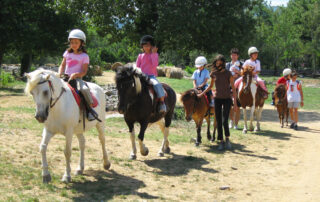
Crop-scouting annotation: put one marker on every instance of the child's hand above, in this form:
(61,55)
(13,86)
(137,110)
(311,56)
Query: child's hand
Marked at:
(154,49)
(73,76)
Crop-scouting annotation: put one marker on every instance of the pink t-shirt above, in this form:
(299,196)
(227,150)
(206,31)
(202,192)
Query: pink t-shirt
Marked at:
(74,62)
(148,63)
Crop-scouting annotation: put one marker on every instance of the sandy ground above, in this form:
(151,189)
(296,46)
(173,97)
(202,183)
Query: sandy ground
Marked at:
(272,165)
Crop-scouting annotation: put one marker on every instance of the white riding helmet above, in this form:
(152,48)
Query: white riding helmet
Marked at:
(252,50)
(77,34)
(286,71)
(200,61)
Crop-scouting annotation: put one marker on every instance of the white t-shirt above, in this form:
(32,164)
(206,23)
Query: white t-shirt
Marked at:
(255,64)
(293,93)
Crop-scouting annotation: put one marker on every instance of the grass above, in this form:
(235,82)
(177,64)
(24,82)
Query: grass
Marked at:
(179,85)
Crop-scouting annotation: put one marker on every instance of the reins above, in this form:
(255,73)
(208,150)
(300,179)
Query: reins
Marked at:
(52,90)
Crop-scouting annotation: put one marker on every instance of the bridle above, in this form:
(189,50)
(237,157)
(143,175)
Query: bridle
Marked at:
(52,103)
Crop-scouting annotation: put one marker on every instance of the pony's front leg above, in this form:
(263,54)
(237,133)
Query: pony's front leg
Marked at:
(106,162)
(165,143)
(81,141)
(67,153)
(252,110)
(259,111)
(133,154)
(245,121)
(208,127)
(199,124)
(46,136)
(143,149)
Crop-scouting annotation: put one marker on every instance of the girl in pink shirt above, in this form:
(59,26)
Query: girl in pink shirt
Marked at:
(74,66)
(148,62)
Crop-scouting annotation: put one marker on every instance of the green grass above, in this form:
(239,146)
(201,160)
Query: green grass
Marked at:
(179,85)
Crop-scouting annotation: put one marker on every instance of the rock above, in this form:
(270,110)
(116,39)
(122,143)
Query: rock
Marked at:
(116,65)
(225,187)
(111,97)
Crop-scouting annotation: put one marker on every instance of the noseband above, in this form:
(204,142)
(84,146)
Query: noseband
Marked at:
(52,91)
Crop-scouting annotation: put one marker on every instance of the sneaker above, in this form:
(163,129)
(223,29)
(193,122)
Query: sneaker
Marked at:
(163,108)
(230,124)
(295,126)
(220,146)
(292,125)
(91,117)
(228,144)
(211,103)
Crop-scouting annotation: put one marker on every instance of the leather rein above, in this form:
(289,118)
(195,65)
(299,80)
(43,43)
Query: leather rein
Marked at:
(52,103)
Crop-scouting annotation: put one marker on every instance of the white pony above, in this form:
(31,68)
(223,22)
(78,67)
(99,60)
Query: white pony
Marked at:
(58,110)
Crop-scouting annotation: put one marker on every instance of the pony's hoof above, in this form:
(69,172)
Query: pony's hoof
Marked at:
(251,129)
(66,179)
(46,179)
(107,166)
(167,150)
(213,139)
(281,126)
(256,129)
(244,131)
(209,137)
(133,157)
(146,152)
(161,154)
(197,144)
(79,172)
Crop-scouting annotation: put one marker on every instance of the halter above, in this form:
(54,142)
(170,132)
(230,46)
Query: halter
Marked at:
(52,91)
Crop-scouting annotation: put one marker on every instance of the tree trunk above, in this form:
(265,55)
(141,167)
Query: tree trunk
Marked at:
(1,56)
(25,63)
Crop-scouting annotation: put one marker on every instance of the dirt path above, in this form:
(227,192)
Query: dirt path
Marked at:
(272,165)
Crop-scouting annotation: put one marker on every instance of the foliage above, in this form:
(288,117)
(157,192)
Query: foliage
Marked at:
(5,79)
(190,70)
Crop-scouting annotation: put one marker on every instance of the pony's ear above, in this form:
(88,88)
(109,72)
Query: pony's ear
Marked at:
(27,75)
(47,77)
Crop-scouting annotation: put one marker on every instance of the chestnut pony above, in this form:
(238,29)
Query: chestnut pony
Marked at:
(281,103)
(198,109)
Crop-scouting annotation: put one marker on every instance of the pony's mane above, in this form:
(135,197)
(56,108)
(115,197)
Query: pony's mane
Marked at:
(279,90)
(188,94)
(129,70)
(35,77)
(247,70)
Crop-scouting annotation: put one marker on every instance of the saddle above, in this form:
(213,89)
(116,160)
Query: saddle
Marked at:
(77,97)
(154,97)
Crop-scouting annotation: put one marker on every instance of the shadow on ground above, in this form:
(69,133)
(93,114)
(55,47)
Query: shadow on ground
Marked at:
(179,165)
(106,185)
(237,149)
(272,116)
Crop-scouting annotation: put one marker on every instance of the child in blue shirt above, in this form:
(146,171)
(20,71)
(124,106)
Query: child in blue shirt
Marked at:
(200,78)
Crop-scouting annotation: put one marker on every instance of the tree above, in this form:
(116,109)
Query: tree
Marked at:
(180,25)
(34,27)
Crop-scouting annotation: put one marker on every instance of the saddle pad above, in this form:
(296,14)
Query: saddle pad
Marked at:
(78,99)
(205,96)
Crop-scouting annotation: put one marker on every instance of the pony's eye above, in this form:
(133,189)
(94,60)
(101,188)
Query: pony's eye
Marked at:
(45,93)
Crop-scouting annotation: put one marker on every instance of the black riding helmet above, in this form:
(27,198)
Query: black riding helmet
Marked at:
(147,39)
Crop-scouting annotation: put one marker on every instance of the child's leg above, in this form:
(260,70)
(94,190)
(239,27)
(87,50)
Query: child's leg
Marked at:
(157,86)
(85,91)
(237,82)
(261,84)
(295,115)
(291,114)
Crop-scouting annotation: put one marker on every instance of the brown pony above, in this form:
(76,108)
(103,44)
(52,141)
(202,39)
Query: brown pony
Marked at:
(198,109)
(250,95)
(281,103)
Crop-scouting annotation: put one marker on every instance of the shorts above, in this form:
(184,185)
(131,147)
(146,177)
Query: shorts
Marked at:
(293,104)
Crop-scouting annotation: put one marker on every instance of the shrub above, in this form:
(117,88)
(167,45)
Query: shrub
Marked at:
(6,78)
(178,113)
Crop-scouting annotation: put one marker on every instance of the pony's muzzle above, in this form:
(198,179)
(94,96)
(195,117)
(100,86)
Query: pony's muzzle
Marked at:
(42,116)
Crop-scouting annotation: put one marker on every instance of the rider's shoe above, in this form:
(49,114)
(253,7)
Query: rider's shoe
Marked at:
(163,108)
